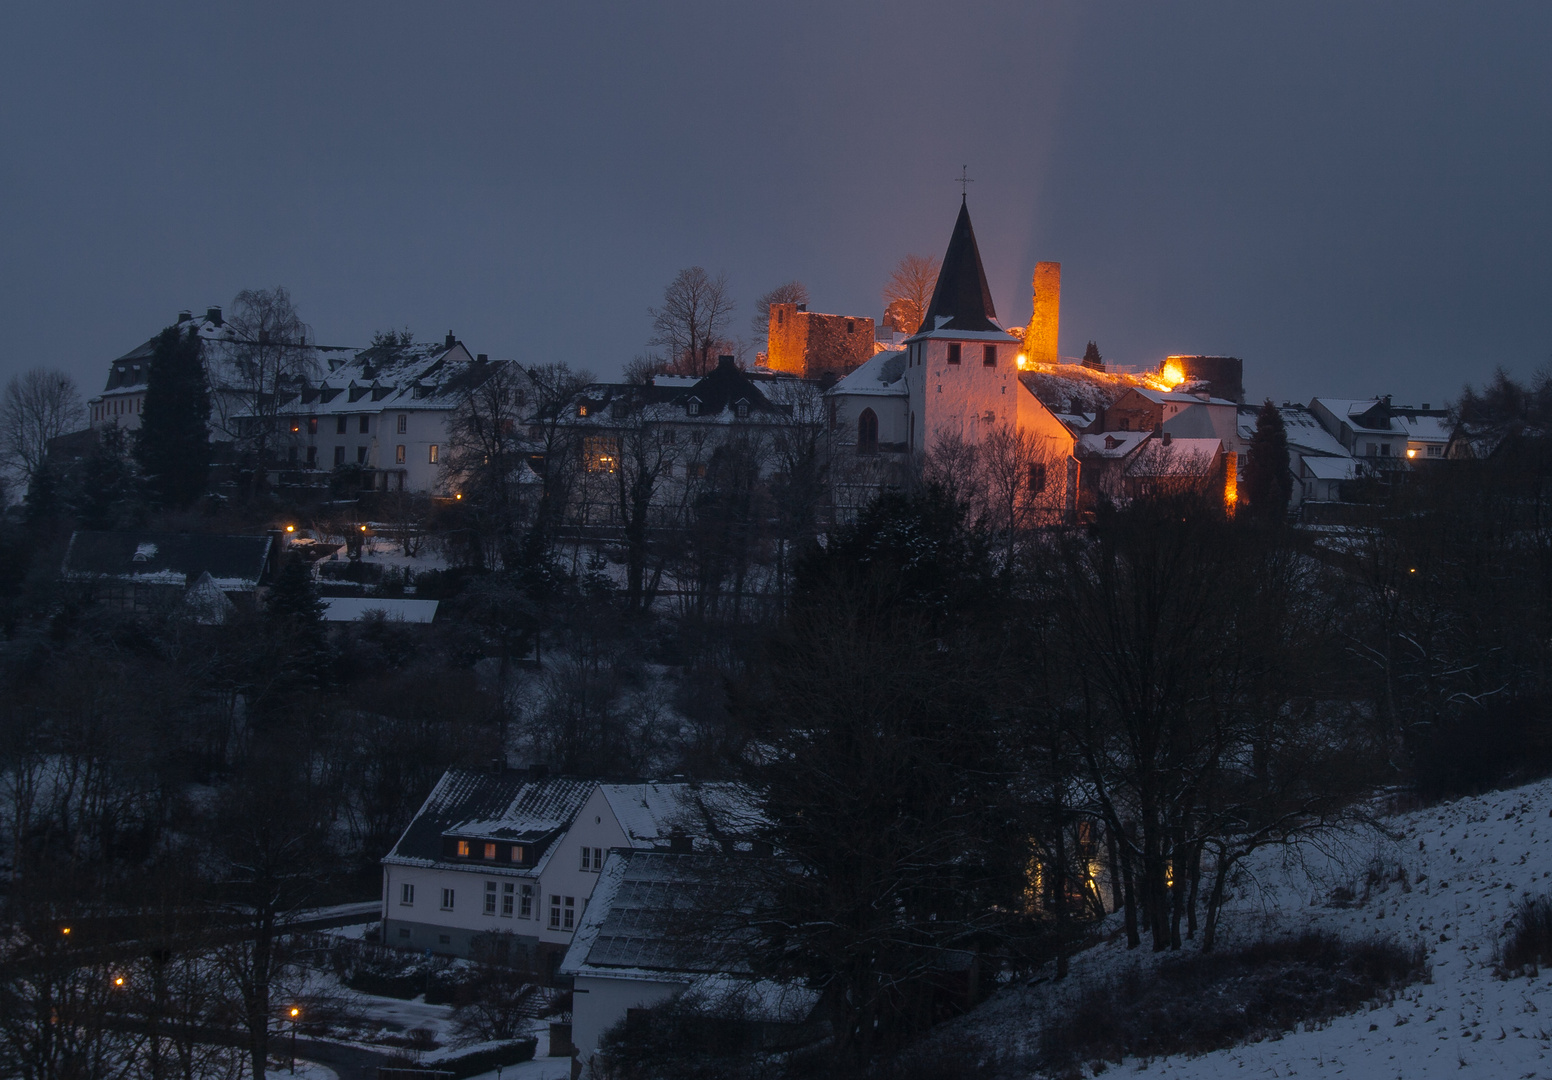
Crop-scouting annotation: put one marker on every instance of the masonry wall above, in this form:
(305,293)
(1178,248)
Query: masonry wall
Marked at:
(966,399)
(1040,339)
(810,344)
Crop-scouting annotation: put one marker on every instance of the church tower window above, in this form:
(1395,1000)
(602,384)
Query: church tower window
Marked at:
(867,432)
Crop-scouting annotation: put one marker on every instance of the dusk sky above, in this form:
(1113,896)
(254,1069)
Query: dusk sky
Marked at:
(1355,198)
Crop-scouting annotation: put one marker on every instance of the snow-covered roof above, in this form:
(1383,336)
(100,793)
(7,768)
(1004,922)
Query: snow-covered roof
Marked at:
(353,608)
(651,813)
(231,563)
(1425,429)
(882,374)
(505,805)
(1304,431)
(655,914)
(1176,397)
(1353,411)
(1111,444)
(1178,457)
(1320,467)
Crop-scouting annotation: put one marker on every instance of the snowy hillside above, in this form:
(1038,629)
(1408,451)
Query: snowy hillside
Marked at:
(1449,877)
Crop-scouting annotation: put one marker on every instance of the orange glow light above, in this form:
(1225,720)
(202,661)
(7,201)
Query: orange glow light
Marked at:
(119,981)
(66,930)
(1172,376)
(459,495)
(290,528)
(1412,452)
(1023,361)
(295,1013)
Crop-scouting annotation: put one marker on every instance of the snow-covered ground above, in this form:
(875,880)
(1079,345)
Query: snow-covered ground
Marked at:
(1449,876)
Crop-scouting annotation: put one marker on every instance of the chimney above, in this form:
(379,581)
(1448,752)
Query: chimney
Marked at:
(1040,339)
(451,341)
(679,843)
(185,316)
(482,358)
(725,363)
(1426,406)
(802,307)
(1166,438)
(213,314)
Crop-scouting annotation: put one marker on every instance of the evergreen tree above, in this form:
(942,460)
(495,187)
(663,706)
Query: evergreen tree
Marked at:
(107,495)
(296,615)
(1092,359)
(1268,482)
(174,441)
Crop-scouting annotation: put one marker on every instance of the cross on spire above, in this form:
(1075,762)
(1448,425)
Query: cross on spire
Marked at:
(964,181)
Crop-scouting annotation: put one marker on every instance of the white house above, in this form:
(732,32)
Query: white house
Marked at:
(501,865)
(658,928)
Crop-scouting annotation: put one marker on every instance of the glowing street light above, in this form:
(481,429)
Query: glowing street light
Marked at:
(295,1014)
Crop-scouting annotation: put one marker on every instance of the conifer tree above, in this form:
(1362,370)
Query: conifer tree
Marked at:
(1092,359)
(108,493)
(296,615)
(1268,483)
(174,441)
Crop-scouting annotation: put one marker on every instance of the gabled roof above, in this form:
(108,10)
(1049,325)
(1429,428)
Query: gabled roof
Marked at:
(961,300)
(653,913)
(650,813)
(1304,431)
(233,563)
(1178,457)
(508,805)
(881,375)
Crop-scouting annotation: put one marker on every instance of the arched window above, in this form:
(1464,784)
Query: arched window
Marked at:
(867,432)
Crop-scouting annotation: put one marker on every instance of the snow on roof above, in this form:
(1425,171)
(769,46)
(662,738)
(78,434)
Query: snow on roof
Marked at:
(881,374)
(353,608)
(1178,398)
(207,604)
(499,806)
(1178,457)
(1425,429)
(651,813)
(1320,467)
(1111,444)
(1303,429)
(1350,409)
(233,563)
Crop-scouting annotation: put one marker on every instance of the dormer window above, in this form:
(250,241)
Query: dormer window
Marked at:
(519,853)
(463,849)
(490,851)
(742,408)
(617,410)
(953,352)
(1111,442)
(582,409)
(692,407)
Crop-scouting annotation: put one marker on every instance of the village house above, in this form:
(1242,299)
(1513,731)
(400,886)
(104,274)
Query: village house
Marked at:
(151,571)
(500,865)
(662,924)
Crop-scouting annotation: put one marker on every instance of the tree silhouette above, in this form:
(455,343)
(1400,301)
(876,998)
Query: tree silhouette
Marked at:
(1268,482)
(173,445)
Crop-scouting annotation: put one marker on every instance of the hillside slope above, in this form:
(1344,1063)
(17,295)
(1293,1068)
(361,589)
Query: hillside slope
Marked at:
(1449,876)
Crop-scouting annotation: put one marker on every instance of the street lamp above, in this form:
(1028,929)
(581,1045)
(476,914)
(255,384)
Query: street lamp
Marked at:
(295,1013)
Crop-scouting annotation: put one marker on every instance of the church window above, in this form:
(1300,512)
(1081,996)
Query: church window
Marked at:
(989,355)
(867,432)
(953,352)
(1036,477)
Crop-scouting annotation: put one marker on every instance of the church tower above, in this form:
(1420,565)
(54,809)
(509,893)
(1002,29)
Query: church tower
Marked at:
(961,365)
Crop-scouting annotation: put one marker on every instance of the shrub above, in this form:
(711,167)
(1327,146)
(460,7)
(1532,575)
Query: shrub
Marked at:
(1530,935)
(1206,1002)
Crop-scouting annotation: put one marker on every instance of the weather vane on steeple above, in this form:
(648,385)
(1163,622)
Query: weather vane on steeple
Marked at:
(964,182)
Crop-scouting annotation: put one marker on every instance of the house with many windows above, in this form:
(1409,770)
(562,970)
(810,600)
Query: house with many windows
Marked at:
(501,865)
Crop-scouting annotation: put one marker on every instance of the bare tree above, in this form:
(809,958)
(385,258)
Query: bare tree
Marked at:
(693,320)
(793,292)
(38,405)
(261,367)
(487,457)
(908,292)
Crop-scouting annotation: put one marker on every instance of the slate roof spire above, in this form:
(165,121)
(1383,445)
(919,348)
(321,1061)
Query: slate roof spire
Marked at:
(961,299)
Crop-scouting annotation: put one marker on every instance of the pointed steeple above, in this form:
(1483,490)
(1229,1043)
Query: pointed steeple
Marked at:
(961,300)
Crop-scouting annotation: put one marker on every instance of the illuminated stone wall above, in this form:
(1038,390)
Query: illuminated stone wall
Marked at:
(1040,338)
(810,344)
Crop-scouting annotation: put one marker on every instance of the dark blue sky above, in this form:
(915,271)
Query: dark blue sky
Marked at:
(1356,198)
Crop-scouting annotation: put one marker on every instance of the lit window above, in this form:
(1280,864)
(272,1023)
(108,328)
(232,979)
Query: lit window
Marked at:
(554,912)
(490,898)
(601,453)
(447,899)
(407,895)
(571,912)
(490,851)
(517,852)
(506,900)
(404,423)
(463,849)
(433,453)
(581,410)
(953,352)
(398,454)
(312,425)
(526,911)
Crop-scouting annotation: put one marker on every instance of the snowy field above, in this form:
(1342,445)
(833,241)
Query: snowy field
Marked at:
(1449,876)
